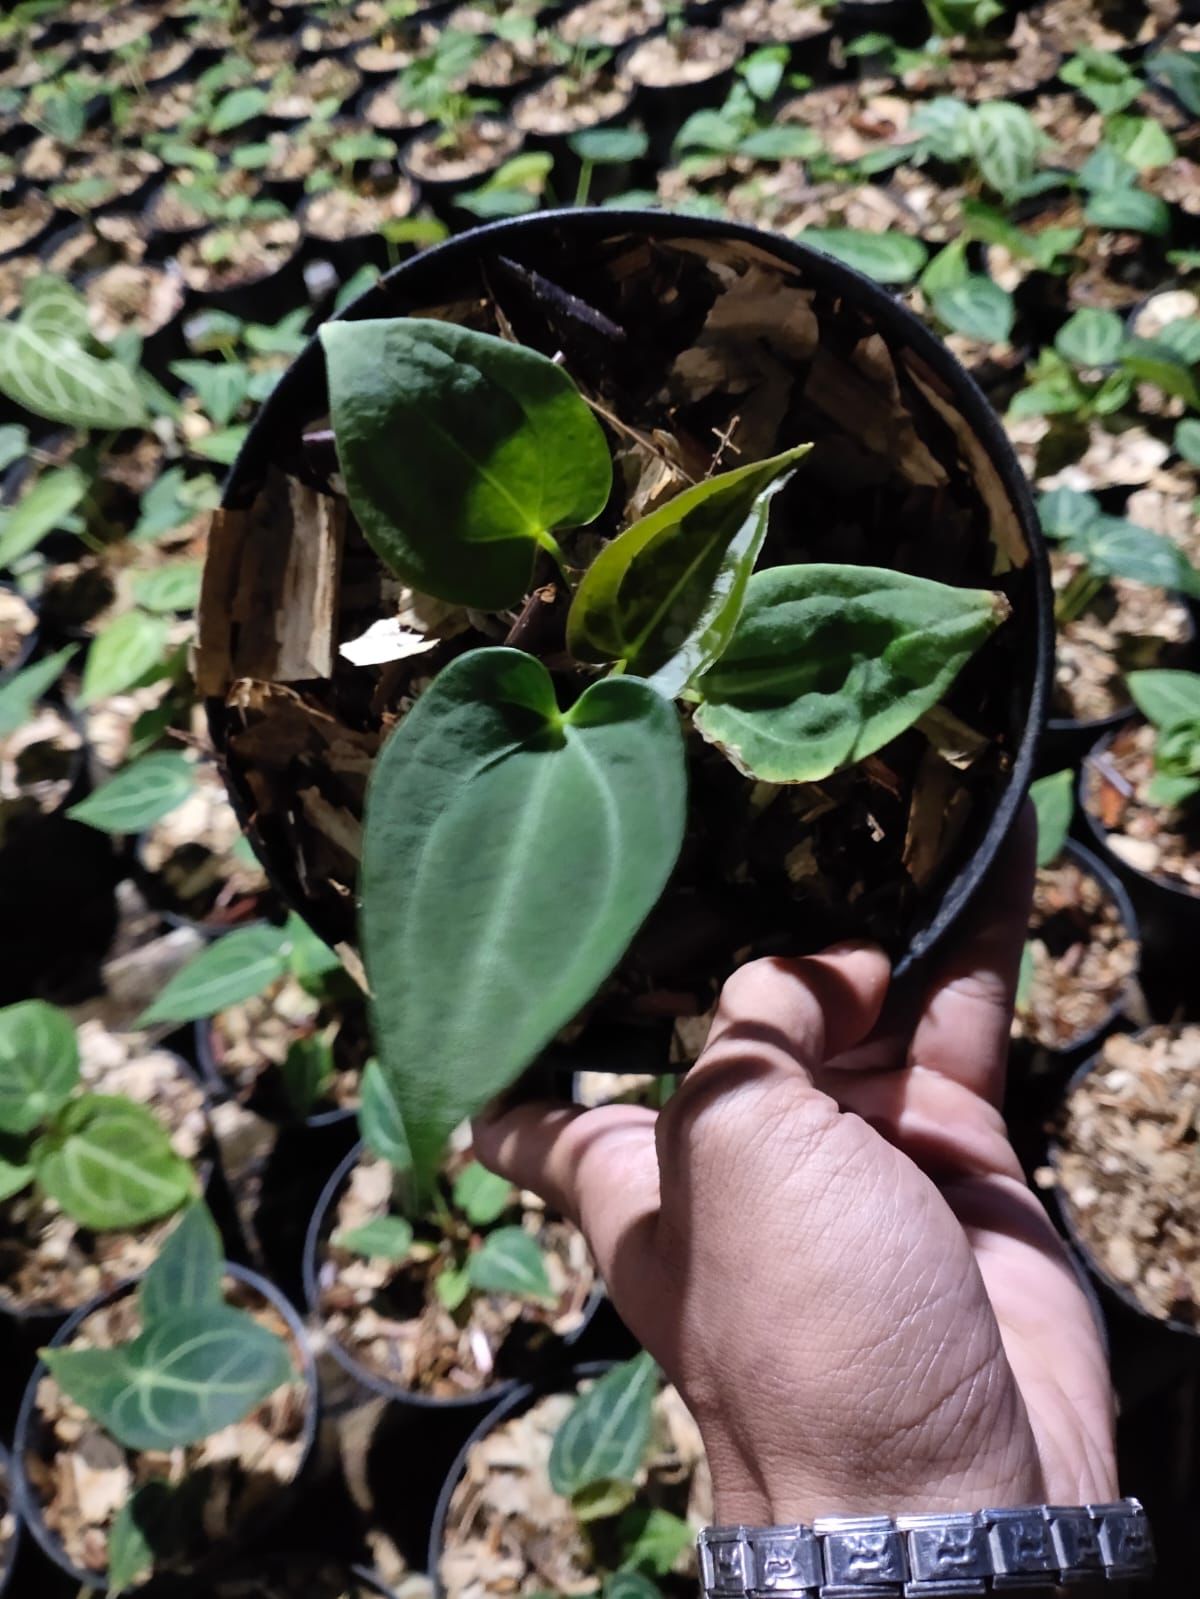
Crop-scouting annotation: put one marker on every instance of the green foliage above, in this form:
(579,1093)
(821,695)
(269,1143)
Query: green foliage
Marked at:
(969,17)
(604,1436)
(1054,801)
(1180,71)
(102,1158)
(653,1540)
(500,450)
(379,1118)
(1090,338)
(49,504)
(307,1072)
(1103,78)
(828,664)
(141,794)
(510,1262)
(385,1238)
(46,363)
(483,787)
(21,693)
(197,1365)
(976,307)
(1111,547)
(886,257)
(1170,701)
(663,598)
(481,1195)
(231,969)
(130,651)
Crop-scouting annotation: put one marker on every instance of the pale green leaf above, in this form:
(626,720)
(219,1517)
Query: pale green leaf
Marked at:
(483,802)
(44,508)
(629,1584)
(1091,337)
(1054,801)
(481,1195)
(829,663)
(1004,140)
(130,1555)
(510,1262)
(39,1064)
(127,651)
(172,587)
(1167,698)
(665,596)
(500,450)
(605,1434)
(1187,440)
(55,378)
(233,968)
(886,257)
(141,794)
(21,693)
(653,1540)
(977,307)
(452,1286)
(109,1164)
(1132,210)
(14,441)
(53,309)
(384,1238)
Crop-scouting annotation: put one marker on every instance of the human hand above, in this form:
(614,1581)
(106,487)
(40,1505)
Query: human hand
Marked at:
(826,1241)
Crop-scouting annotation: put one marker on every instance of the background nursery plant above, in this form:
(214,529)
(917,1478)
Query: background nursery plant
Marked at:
(792,671)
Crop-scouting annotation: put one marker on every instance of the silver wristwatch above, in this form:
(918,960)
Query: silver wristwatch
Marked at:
(950,1556)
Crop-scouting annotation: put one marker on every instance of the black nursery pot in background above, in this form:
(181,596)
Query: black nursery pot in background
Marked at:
(910,469)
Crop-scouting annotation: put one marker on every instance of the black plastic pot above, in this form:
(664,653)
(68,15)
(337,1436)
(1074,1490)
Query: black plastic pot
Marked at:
(12,1553)
(664,108)
(567,165)
(1112,1291)
(151,886)
(1169,915)
(905,21)
(218,1089)
(513,1404)
(556,1352)
(257,299)
(441,193)
(564,246)
(1066,742)
(264,1520)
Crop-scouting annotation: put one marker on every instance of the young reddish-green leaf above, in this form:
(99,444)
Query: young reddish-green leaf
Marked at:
(829,663)
(510,1262)
(604,1435)
(139,795)
(1054,801)
(109,1164)
(664,597)
(484,803)
(386,1238)
(184,1377)
(39,1064)
(461,453)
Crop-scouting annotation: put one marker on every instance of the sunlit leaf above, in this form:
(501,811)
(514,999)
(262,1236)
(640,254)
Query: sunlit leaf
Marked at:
(231,969)
(108,1162)
(384,1238)
(39,1064)
(606,1432)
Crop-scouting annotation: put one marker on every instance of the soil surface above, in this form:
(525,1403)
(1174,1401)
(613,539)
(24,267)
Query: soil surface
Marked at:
(1162,842)
(387,1315)
(49,1261)
(776,21)
(508,1532)
(690,56)
(610,22)
(200,864)
(81,1476)
(473,151)
(344,214)
(250,1042)
(127,295)
(8,1523)
(1129,1167)
(38,764)
(1082,957)
(1127,628)
(18,622)
(22,221)
(259,250)
(565,105)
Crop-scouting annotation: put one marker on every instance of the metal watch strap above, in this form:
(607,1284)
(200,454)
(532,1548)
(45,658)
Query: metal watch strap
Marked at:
(949,1556)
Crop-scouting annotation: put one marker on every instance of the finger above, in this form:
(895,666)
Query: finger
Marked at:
(963,1033)
(597,1167)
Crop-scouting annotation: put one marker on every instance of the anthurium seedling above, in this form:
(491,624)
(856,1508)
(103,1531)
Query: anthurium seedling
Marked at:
(103,1158)
(516,836)
(1108,547)
(197,1365)
(596,1462)
(1170,702)
(1054,802)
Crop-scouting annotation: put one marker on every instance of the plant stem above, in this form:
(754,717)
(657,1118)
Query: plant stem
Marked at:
(583,187)
(1077,596)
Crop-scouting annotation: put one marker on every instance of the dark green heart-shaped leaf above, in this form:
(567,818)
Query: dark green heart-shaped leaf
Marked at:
(829,663)
(604,1435)
(1067,513)
(629,1584)
(1180,71)
(110,1164)
(1004,140)
(186,1272)
(481,1195)
(1054,801)
(234,968)
(978,308)
(1166,698)
(307,1071)
(1130,209)
(173,587)
(1113,547)
(380,1121)
(509,1262)
(886,257)
(48,505)
(664,597)
(181,1379)
(139,795)
(461,453)
(39,1064)
(1152,361)
(385,1238)
(1091,337)
(484,803)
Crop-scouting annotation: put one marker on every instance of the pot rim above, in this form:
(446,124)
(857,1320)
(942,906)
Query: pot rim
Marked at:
(1178,895)
(521,1397)
(497,1393)
(27,1502)
(1067,1217)
(429,268)
(217,1089)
